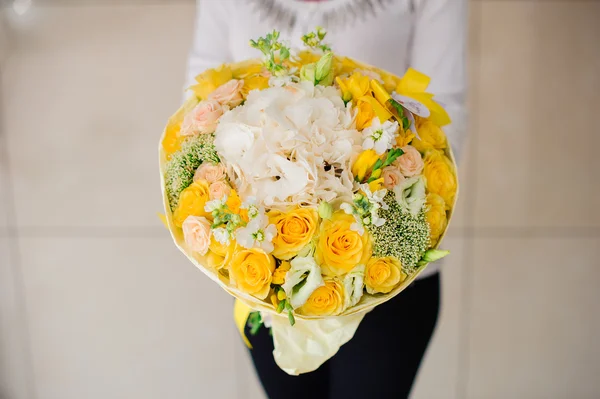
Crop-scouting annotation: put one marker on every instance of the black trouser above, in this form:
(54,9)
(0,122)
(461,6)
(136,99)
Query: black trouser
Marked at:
(380,361)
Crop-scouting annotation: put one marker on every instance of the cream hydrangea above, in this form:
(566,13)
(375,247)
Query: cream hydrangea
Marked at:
(290,144)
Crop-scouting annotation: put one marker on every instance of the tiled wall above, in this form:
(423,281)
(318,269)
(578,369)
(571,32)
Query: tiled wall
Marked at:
(95,302)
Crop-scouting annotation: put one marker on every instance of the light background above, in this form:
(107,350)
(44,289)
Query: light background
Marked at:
(96,302)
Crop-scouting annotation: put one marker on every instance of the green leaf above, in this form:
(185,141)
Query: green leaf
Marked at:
(434,254)
(378,164)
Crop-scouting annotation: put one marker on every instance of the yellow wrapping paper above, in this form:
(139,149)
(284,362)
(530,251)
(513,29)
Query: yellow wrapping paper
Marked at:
(312,340)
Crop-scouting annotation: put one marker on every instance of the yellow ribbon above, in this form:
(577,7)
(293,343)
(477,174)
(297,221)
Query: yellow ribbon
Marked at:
(241,311)
(413,84)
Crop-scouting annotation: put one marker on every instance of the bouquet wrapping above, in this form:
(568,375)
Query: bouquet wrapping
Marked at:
(310,187)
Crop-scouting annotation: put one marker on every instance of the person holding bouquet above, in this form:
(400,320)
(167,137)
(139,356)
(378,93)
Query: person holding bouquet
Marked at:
(383,358)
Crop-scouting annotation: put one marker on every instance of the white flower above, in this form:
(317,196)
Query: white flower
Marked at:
(253,210)
(353,285)
(379,137)
(375,198)
(215,204)
(302,269)
(258,233)
(410,194)
(221,235)
(291,144)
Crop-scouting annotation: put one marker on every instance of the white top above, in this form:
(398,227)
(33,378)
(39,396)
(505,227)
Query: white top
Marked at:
(428,35)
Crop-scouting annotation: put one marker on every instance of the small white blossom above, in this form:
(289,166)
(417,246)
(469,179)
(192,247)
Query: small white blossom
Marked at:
(221,235)
(258,233)
(253,209)
(379,136)
(215,204)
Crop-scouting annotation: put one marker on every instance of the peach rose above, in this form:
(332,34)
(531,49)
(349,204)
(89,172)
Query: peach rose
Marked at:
(219,189)
(391,177)
(196,233)
(410,163)
(202,119)
(229,94)
(210,172)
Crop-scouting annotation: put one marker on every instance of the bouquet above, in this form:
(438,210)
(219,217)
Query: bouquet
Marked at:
(309,186)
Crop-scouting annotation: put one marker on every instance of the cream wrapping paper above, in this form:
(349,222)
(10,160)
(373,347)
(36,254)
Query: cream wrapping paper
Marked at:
(308,344)
(312,340)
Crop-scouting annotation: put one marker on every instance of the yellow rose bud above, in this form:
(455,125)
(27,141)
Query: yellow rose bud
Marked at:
(280,272)
(363,164)
(295,229)
(440,174)
(191,202)
(274,300)
(327,300)
(431,136)
(252,271)
(436,216)
(281,295)
(382,275)
(209,80)
(234,202)
(339,248)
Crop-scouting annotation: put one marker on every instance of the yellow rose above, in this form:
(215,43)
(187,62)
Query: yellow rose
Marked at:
(383,274)
(431,136)
(191,202)
(295,229)
(210,79)
(339,248)
(363,164)
(440,175)
(219,255)
(280,272)
(252,271)
(327,300)
(436,217)
(234,202)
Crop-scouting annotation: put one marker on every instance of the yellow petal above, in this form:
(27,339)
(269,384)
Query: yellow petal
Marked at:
(376,185)
(380,111)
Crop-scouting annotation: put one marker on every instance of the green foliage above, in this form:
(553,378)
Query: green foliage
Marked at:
(180,169)
(403,235)
(270,46)
(314,40)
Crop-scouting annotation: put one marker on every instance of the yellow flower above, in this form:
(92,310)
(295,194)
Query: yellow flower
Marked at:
(210,79)
(436,217)
(254,82)
(219,255)
(382,275)
(365,115)
(191,202)
(339,248)
(440,174)
(404,137)
(378,110)
(234,202)
(244,69)
(295,229)
(431,136)
(252,271)
(376,184)
(363,164)
(354,87)
(280,272)
(327,300)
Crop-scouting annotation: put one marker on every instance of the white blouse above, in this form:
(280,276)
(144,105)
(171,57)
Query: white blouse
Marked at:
(428,35)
